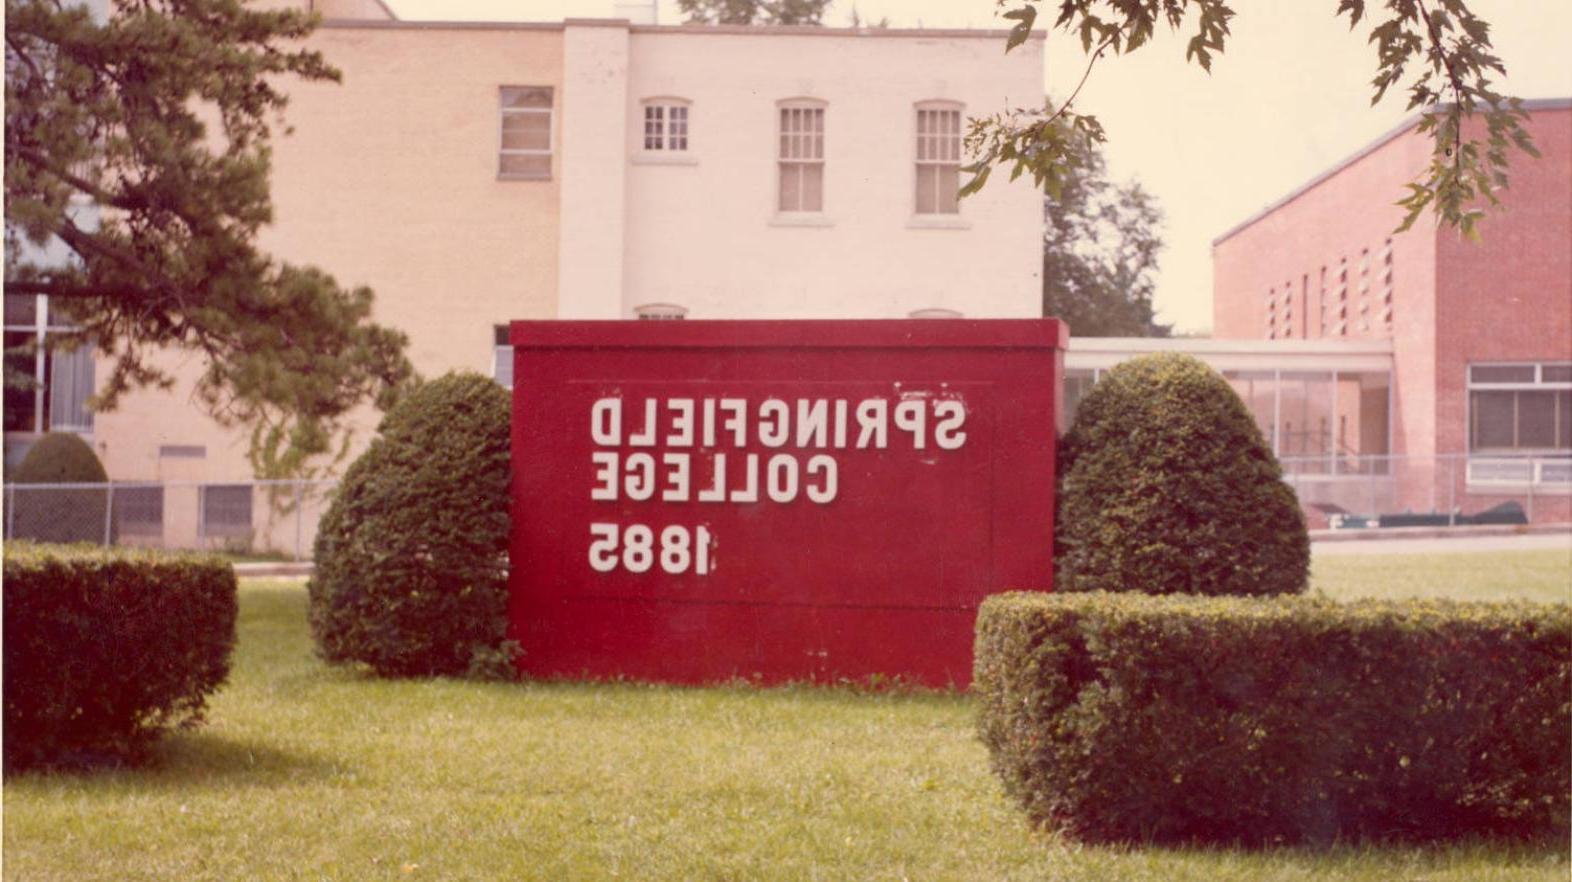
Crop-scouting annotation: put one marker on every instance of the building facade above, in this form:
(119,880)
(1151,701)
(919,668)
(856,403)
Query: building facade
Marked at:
(1480,332)
(474,173)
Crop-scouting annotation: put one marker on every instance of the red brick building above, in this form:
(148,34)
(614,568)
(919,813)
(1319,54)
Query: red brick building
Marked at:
(1480,332)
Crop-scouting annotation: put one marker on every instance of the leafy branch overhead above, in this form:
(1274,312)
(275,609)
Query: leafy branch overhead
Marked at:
(1437,51)
(161,118)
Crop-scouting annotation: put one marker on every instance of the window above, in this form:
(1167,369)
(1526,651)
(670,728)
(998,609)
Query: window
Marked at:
(666,125)
(501,357)
(226,510)
(938,158)
(1520,407)
(139,511)
(801,157)
(525,152)
(60,379)
(656,312)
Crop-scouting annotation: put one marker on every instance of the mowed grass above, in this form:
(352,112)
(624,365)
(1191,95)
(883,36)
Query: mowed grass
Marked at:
(306,772)
(1543,575)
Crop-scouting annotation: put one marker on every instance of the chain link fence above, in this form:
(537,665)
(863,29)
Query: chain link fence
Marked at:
(268,519)
(1446,490)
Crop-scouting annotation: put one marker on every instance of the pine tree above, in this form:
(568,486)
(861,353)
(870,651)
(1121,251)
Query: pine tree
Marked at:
(161,118)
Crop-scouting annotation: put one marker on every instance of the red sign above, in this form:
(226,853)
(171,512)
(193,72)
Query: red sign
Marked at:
(696,501)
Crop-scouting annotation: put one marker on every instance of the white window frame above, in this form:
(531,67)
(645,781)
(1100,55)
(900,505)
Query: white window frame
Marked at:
(501,357)
(919,161)
(665,140)
(41,329)
(660,312)
(504,111)
(790,152)
(1537,384)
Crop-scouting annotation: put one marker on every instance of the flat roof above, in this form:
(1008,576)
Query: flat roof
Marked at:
(1091,353)
(1530,105)
(737,30)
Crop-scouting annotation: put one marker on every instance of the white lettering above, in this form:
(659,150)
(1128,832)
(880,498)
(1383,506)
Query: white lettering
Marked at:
(813,418)
(749,492)
(605,475)
(681,423)
(824,465)
(606,422)
(717,489)
(911,416)
(641,476)
(772,422)
(709,422)
(677,474)
(951,415)
(736,407)
(645,437)
(871,414)
(782,483)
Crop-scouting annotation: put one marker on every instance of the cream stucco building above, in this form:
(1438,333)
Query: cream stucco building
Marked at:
(475,173)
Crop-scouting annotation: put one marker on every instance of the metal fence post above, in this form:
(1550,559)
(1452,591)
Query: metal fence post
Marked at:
(1451,492)
(109,513)
(300,514)
(1533,469)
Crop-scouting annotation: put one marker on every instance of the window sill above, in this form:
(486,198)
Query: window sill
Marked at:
(800,219)
(938,222)
(664,159)
(524,177)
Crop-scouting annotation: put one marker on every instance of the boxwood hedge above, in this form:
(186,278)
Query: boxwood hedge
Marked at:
(412,554)
(1168,487)
(1119,717)
(105,649)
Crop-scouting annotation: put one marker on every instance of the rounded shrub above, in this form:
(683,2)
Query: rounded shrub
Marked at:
(60,458)
(1168,487)
(411,556)
(51,514)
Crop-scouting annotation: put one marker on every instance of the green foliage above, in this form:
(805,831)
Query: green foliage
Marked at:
(753,12)
(1100,250)
(59,515)
(60,458)
(1168,487)
(411,557)
(118,114)
(104,650)
(1442,56)
(1116,717)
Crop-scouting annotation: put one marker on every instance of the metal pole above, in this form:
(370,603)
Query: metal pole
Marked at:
(300,514)
(1451,492)
(109,513)
(1533,468)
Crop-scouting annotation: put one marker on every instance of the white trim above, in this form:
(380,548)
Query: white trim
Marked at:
(550,112)
(800,219)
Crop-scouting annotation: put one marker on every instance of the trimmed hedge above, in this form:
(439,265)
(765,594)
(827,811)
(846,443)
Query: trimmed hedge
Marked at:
(1125,717)
(104,649)
(58,515)
(1168,487)
(412,555)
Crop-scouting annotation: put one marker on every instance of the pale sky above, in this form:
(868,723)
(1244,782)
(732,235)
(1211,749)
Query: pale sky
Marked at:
(1288,99)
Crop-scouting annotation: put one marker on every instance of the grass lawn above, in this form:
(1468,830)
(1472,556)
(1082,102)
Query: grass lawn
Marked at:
(1541,575)
(305,772)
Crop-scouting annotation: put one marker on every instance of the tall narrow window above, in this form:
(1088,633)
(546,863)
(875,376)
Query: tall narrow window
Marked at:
(801,157)
(53,381)
(501,357)
(525,152)
(938,158)
(666,125)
